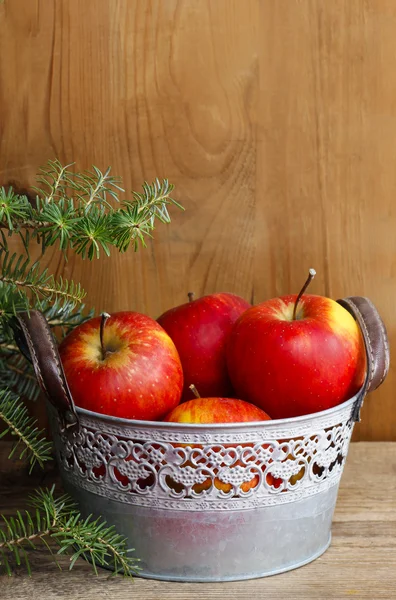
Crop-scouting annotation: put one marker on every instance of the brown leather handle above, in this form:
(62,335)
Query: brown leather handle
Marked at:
(376,344)
(35,340)
(34,337)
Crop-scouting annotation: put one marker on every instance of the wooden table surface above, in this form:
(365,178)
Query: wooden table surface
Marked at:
(360,563)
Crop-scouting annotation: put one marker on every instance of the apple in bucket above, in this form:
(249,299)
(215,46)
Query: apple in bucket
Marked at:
(296,355)
(124,365)
(199,329)
(217,410)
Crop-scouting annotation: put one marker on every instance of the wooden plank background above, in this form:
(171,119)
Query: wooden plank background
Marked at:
(275,119)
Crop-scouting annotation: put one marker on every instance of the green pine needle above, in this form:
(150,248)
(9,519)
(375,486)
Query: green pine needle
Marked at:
(92,234)
(22,279)
(52,520)
(63,316)
(17,375)
(12,301)
(15,209)
(135,220)
(31,442)
(75,210)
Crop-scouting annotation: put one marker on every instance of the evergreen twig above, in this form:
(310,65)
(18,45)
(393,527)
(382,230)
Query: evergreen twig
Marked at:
(31,440)
(77,211)
(17,375)
(17,272)
(57,521)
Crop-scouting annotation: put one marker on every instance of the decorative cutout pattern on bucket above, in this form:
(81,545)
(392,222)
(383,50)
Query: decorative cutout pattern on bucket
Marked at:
(176,468)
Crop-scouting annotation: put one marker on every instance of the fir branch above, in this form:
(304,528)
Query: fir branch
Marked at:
(61,316)
(17,374)
(18,272)
(14,414)
(64,317)
(11,302)
(55,222)
(74,211)
(8,349)
(90,187)
(92,234)
(135,220)
(56,180)
(14,208)
(97,186)
(57,520)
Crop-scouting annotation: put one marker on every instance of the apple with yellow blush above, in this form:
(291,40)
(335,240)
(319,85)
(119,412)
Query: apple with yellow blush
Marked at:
(217,410)
(124,365)
(296,355)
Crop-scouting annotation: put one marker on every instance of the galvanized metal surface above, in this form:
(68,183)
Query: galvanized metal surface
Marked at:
(211,502)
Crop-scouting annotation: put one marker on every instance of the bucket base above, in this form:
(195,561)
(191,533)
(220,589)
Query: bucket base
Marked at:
(210,546)
(147,575)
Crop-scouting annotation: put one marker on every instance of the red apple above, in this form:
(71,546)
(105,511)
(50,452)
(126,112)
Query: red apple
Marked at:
(296,355)
(218,410)
(200,329)
(124,365)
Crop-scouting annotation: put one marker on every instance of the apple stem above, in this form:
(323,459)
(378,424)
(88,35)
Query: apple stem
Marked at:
(311,275)
(194,390)
(190,296)
(104,316)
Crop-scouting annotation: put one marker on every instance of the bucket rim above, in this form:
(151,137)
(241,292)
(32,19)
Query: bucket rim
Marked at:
(270,424)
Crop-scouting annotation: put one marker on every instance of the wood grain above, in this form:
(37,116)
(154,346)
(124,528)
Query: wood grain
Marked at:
(360,563)
(275,119)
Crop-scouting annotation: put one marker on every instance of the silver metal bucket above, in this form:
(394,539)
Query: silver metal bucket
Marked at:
(206,502)
(180,493)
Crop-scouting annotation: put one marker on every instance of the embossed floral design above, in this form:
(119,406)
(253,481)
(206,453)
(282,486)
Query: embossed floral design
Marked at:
(104,445)
(153,453)
(264,454)
(326,458)
(188,476)
(218,457)
(284,470)
(131,470)
(308,446)
(236,476)
(88,458)
(216,469)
